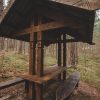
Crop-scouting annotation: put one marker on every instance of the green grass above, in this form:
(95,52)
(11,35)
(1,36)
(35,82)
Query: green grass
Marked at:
(91,72)
(20,62)
(14,60)
(49,61)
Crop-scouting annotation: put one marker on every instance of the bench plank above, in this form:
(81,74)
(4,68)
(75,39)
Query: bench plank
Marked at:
(67,86)
(13,82)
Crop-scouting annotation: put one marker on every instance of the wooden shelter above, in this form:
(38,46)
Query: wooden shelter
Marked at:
(41,23)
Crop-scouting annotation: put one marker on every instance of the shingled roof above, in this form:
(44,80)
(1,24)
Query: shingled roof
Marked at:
(85,4)
(18,15)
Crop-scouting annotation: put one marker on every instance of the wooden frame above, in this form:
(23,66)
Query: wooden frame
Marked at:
(48,17)
(46,26)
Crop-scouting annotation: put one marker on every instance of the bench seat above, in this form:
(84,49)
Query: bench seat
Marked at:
(67,87)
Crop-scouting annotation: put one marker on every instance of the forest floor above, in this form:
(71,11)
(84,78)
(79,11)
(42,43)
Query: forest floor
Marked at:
(12,63)
(85,92)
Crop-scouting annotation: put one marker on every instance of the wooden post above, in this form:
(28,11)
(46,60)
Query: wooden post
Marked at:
(64,55)
(32,61)
(59,55)
(40,57)
(40,54)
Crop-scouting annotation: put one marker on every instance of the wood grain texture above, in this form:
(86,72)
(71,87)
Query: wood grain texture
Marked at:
(67,86)
(47,77)
(10,83)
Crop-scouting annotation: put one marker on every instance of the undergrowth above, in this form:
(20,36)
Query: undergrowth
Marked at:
(89,68)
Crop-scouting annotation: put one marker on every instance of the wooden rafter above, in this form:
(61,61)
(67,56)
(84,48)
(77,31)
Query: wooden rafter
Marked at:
(47,26)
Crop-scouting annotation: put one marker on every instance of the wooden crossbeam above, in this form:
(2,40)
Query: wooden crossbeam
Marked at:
(46,26)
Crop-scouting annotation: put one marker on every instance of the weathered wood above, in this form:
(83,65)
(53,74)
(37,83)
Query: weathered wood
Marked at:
(10,83)
(40,61)
(46,26)
(32,62)
(39,92)
(7,97)
(59,16)
(32,54)
(40,51)
(88,5)
(59,55)
(64,56)
(48,76)
(72,16)
(67,86)
(6,10)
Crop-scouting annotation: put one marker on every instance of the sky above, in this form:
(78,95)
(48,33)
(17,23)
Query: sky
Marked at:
(6,2)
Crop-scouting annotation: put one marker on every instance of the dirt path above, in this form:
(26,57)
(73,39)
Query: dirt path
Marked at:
(85,92)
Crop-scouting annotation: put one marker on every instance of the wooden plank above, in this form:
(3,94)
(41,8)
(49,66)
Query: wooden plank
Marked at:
(46,26)
(61,41)
(46,78)
(91,5)
(53,74)
(7,97)
(88,5)
(67,86)
(10,83)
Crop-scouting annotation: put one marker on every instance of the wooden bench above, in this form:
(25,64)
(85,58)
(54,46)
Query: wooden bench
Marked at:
(67,86)
(10,83)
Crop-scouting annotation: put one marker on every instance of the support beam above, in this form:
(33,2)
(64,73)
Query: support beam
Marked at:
(40,54)
(64,56)
(39,92)
(40,57)
(45,27)
(59,55)
(32,60)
